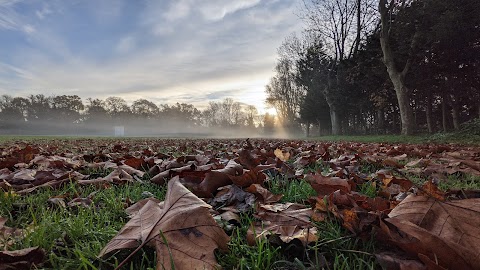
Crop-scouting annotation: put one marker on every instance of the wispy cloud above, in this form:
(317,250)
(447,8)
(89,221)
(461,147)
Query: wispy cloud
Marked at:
(9,19)
(45,11)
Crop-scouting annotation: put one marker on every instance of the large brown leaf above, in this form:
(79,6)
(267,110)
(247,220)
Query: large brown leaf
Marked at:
(443,232)
(191,233)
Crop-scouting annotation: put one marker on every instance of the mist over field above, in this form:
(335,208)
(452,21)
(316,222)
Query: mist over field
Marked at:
(68,115)
(135,129)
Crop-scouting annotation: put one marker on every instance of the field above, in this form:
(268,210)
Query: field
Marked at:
(149,203)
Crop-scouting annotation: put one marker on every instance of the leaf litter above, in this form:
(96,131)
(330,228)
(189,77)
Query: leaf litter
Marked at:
(418,227)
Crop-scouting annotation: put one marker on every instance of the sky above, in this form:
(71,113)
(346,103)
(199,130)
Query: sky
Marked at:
(166,51)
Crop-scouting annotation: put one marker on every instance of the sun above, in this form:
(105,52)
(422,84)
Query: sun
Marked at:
(271,111)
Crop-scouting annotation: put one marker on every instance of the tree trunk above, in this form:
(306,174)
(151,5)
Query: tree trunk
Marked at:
(335,121)
(319,128)
(397,77)
(380,121)
(359,27)
(455,113)
(444,113)
(428,111)
(308,129)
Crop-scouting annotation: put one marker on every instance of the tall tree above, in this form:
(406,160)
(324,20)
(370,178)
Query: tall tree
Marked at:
(341,26)
(397,75)
(96,111)
(116,106)
(40,108)
(284,94)
(144,109)
(251,115)
(181,113)
(67,108)
(310,76)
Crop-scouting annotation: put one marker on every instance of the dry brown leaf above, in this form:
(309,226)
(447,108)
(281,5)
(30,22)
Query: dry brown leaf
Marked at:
(392,163)
(325,185)
(118,176)
(133,209)
(246,159)
(136,163)
(22,258)
(218,178)
(432,190)
(396,261)
(248,178)
(8,235)
(264,195)
(283,156)
(446,232)
(234,196)
(290,221)
(191,233)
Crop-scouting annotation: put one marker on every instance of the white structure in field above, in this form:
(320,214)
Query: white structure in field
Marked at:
(119,131)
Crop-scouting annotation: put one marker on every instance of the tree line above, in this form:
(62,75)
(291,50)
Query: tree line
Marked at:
(380,66)
(68,114)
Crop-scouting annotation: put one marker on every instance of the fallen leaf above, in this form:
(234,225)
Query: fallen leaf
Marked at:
(8,235)
(218,178)
(264,196)
(389,260)
(392,163)
(290,221)
(21,259)
(248,178)
(191,233)
(432,190)
(446,232)
(283,156)
(246,159)
(136,163)
(232,195)
(324,185)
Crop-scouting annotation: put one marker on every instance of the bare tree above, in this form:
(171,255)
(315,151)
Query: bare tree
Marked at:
(283,93)
(251,115)
(342,25)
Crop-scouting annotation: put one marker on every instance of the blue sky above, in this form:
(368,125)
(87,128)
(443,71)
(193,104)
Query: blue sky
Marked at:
(168,51)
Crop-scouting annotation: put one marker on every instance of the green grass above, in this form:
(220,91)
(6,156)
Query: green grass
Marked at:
(243,256)
(453,181)
(75,236)
(460,181)
(293,190)
(343,250)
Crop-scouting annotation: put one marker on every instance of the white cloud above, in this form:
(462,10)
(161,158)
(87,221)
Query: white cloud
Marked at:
(9,19)
(178,9)
(218,9)
(41,14)
(125,45)
(28,29)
